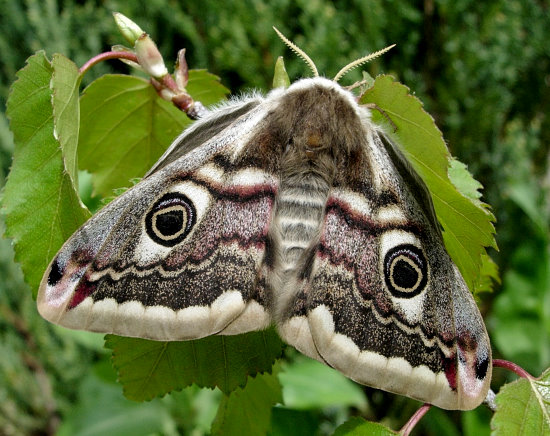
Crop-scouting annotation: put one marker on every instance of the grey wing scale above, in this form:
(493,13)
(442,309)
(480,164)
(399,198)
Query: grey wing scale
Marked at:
(202,132)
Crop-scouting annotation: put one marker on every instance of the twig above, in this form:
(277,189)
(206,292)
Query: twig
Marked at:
(108,55)
(411,423)
(511,366)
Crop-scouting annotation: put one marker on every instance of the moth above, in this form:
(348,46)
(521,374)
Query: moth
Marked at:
(292,209)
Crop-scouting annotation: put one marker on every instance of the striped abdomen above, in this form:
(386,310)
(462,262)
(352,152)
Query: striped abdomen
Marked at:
(299,213)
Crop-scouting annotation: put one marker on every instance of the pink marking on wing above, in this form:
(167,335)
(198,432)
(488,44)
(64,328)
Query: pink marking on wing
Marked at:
(450,368)
(61,290)
(340,243)
(83,290)
(265,184)
(470,384)
(246,223)
(244,191)
(344,245)
(354,217)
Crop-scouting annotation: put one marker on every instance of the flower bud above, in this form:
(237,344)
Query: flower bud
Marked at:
(130,30)
(280,78)
(181,72)
(149,57)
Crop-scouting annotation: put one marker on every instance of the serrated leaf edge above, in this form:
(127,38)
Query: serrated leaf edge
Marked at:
(488,236)
(57,114)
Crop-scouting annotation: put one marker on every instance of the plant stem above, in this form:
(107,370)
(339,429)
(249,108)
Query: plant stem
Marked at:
(511,366)
(108,55)
(411,423)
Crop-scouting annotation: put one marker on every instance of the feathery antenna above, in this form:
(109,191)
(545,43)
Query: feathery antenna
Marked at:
(299,52)
(360,61)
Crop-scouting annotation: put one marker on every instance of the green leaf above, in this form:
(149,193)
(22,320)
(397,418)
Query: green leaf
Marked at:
(205,87)
(360,427)
(102,410)
(124,128)
(466,222)
(40,201)
(523,408)
(488,275)
(65,83)
(470,188)
(464,181)
(148,369)
(247,411)
(290,422)
(302,390)
(368,81)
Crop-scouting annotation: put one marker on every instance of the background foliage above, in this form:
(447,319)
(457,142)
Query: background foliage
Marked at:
(482,70)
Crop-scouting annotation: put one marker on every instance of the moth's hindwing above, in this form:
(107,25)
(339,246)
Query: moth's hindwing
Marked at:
(292,209)
(178,256)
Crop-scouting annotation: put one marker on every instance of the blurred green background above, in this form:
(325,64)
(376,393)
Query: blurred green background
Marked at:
(482,70)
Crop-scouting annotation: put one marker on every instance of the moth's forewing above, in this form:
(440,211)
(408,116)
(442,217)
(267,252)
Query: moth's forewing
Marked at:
(177,256)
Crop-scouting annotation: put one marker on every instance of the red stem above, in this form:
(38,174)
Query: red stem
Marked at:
(108,55)
(511,366)
(182,100)
(411,423)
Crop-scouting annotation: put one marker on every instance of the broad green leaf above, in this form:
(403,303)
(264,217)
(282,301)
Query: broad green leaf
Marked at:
(523,408)
(302,390)
(467,224)
(124,128)
(470,188)
(148,369)
(205,87)
(360,427)
(247,411)
(40,201)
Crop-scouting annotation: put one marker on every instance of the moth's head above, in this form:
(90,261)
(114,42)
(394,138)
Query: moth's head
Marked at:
(303,120)
(344,70)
